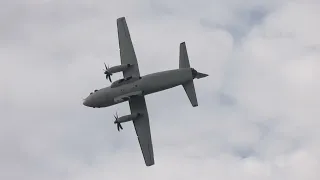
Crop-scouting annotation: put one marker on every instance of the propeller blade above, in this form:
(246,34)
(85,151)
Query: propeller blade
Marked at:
(108,74)
(119,126)
(110,78)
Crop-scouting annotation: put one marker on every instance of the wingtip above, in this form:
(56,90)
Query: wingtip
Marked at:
(121,18)
(150,164)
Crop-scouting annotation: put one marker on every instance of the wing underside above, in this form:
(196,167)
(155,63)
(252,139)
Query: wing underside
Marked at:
(137,103)
(142,127)
(127,53)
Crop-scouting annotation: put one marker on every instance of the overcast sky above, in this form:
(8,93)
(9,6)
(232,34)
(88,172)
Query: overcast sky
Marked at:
(259,110)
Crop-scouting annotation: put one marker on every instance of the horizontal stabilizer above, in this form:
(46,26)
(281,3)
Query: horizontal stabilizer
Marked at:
(191,93)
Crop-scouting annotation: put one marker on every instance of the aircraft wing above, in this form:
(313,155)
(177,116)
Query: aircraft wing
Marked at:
(127,54)
(142,127)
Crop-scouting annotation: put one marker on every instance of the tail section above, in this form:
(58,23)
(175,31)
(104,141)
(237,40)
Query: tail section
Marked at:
(189,86)
(198,75)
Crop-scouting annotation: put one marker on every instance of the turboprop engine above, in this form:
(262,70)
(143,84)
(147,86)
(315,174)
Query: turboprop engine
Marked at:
(123,119)
(109,71)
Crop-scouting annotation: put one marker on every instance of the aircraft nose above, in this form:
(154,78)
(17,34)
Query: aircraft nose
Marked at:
(86,102)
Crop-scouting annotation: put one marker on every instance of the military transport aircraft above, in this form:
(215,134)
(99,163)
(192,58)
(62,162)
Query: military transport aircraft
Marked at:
(134,87)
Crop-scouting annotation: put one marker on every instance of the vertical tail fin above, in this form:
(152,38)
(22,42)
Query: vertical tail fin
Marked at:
(183,56)
(189,86)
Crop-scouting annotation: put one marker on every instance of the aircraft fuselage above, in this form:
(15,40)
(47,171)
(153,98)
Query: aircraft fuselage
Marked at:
(145,85)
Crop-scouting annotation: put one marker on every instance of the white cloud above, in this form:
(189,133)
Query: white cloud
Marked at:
(258,113)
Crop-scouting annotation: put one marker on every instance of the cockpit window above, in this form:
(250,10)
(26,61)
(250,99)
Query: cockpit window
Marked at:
(94,91)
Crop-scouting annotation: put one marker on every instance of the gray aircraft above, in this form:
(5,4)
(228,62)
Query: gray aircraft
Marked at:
(133,88)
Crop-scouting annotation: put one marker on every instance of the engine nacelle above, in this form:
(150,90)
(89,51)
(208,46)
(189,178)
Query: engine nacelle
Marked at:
(118,68)
(127,118)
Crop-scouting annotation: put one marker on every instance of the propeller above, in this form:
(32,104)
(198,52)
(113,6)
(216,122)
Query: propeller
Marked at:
(116,122)
(108,74)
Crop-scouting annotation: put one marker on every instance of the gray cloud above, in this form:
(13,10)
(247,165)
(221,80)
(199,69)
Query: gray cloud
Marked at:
(258,113)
